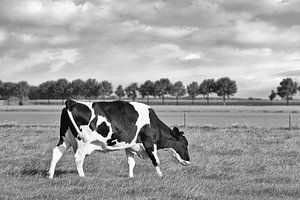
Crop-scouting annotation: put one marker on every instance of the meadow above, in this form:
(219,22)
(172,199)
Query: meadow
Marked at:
(232,161)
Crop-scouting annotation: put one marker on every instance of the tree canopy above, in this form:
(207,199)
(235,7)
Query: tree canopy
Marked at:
(287,89)
(225,87)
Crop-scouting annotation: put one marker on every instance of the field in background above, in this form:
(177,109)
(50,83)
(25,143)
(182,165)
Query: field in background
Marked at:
(229,161)
(203,116)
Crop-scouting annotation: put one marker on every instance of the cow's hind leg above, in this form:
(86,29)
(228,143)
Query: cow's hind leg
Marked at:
(79,158)
(58,151)
(131,162)
(64,143)
(149,138)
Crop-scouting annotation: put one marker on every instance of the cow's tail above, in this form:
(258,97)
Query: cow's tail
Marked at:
(72,124)
(64,125)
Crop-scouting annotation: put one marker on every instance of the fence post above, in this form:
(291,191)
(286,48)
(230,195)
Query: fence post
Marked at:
(184,120)
(290,120)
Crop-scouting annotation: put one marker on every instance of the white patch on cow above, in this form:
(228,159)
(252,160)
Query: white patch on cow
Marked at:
(155,154)
(158,171)
(143,118)
(130,161)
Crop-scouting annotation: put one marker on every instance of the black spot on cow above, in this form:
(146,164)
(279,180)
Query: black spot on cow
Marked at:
(103,129)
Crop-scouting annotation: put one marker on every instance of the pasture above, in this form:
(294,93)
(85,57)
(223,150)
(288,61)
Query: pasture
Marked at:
(229,161)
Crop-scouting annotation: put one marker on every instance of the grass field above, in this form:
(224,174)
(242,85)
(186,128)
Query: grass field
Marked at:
(227,163)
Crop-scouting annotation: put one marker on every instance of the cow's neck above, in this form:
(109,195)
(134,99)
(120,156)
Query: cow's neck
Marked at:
(166,140)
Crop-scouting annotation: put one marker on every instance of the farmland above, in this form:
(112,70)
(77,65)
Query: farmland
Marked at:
(253,158)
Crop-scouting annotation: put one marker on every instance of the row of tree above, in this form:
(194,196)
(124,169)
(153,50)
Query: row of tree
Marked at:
(286,90)
(91,88)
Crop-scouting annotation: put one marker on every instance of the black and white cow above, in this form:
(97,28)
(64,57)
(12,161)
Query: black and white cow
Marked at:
(109,126)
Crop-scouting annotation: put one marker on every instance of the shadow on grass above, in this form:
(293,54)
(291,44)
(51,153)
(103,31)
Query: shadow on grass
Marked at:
(44,172)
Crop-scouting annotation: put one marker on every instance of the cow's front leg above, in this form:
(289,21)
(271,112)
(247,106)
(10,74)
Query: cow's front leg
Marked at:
(152,153)
(130,161)
(151,148)
(79,159)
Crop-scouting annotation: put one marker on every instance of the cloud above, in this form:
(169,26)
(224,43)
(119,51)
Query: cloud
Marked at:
(192,56)
(2,36)
(249,41)
(168,32)
(54,59)
(40,12)
(168,53)
(289,73)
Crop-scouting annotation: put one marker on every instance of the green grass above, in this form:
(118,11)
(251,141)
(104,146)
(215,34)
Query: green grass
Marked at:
(229,163)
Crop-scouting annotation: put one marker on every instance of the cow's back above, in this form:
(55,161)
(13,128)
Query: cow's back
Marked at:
(122,117)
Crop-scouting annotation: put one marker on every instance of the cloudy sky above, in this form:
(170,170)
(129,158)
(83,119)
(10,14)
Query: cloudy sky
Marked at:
(255,43)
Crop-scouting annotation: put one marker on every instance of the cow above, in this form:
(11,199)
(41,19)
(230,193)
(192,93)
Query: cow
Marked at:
(116,125)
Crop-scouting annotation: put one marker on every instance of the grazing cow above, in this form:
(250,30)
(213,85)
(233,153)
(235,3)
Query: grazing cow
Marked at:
(109,126)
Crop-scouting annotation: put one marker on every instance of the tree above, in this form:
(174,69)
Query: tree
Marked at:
(207,87)
(91,88)
(47,90)
(34,93)
(77,88)
(120,92)
(272,96)
(22,90)
(147,89)
(162,87)
(131,91)
(106,89)
(287,89)
(62,89)
(225,88)
(1,89)
(178,90)
(193,90)
(9,89)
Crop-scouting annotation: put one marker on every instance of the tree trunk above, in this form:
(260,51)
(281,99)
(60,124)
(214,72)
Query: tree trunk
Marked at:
(287,100)
(48,101)
(207,99)
(176,99)
(224,103)
(163,99)
(193,98)
(148,99)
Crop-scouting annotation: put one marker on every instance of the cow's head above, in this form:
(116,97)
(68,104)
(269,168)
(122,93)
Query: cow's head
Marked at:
(180,147)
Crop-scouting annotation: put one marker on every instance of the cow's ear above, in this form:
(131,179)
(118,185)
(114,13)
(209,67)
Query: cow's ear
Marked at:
(175,132)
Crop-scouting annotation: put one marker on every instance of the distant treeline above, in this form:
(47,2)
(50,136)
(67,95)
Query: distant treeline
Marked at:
(93,89)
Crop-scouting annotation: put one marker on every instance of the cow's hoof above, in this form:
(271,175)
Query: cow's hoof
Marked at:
(49,176)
